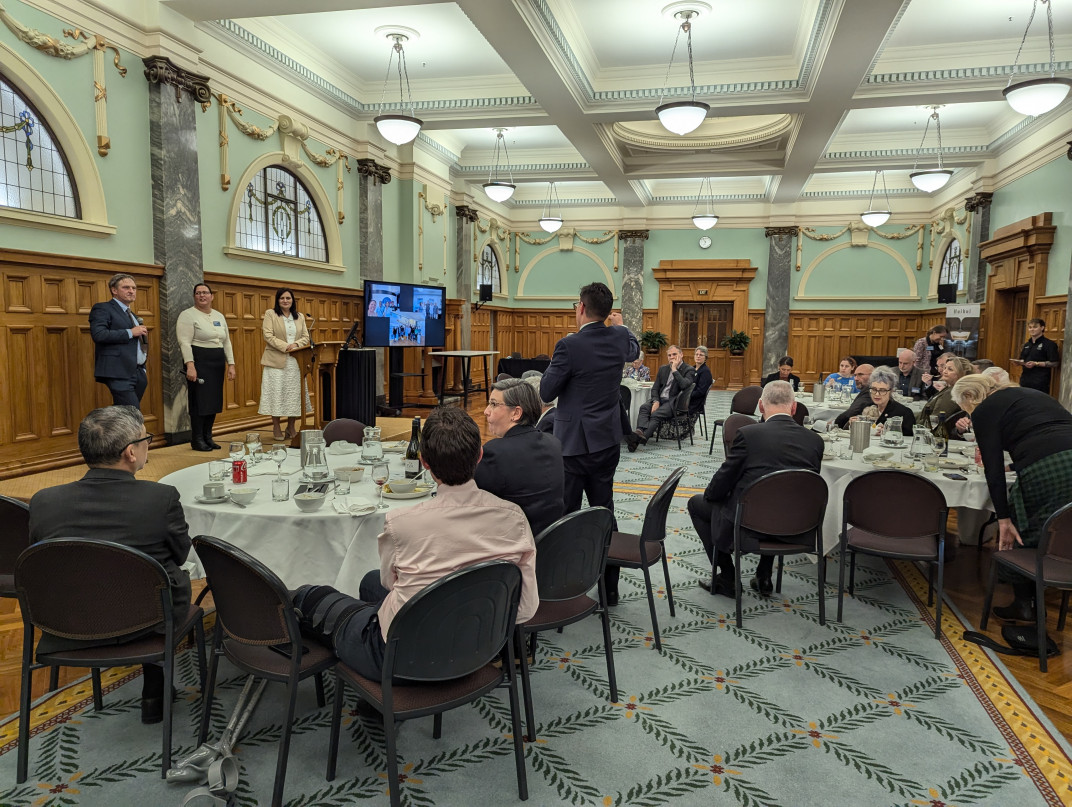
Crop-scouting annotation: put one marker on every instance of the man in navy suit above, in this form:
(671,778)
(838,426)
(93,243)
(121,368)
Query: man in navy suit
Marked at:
(120,343)
(584,374)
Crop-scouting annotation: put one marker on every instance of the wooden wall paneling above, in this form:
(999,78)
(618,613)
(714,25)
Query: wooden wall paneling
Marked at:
(1052,311)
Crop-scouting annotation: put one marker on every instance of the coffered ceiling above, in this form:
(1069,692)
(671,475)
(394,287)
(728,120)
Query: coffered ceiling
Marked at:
(808,97)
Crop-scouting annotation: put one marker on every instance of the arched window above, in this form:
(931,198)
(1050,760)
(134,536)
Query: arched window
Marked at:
(951,266)
(489,269)
(278,216)
(34,174)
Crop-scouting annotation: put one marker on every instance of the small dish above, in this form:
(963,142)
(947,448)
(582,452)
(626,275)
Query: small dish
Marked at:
(416,493)
(883,463)
(309,481)
(352,474)
(219,500)
(400,486)
(244,494)
(954,461)
(309,502)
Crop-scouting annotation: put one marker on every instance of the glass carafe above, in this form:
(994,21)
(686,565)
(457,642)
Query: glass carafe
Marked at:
(316,465)
(892,436)
(371,446)
(920,445)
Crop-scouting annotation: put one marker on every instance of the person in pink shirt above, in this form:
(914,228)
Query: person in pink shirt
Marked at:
(419,545)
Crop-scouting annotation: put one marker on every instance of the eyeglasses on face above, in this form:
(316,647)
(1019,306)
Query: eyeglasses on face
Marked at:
(148,438)
(880,390)
(494,404)
(577,305)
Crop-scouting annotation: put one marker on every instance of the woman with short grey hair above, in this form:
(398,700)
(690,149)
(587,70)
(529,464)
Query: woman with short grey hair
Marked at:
(883,407)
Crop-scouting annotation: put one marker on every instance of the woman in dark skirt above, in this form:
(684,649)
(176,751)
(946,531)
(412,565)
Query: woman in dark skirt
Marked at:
(206,351)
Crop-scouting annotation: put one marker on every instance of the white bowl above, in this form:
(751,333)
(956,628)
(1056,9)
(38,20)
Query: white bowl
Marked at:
(401,485)
(244,494)
(308,502)
(352,474)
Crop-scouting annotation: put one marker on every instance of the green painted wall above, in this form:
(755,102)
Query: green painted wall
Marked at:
(547,270)
(1046,189)
(727,243)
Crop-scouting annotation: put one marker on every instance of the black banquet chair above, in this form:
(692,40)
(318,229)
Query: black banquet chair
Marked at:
(643,551)
(95,592)
(679,425)
(439,654)
(744,402)
(348,429)
(257,630)
(14,537)
(570,557)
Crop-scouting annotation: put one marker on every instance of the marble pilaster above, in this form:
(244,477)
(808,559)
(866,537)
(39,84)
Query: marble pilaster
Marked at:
(632,297)
(1064,394)
(176,97)
(466,218)
(975,283)
(779,275)
(371,178)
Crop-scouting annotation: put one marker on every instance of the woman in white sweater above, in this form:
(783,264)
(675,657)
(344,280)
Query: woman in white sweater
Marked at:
(205,344)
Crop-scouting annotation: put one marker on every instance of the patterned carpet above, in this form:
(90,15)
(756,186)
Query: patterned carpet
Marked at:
(872,711)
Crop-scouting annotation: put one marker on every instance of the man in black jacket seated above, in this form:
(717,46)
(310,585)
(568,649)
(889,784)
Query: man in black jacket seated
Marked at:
(776,444)
(672,378)
(862,399)
(524,465)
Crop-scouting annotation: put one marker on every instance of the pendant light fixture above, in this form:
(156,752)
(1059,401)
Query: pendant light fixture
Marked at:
(931,179)
(549,222)
(1038,95)
(496,189)
(398,128)
(708,218)
(681,117)
(872,217)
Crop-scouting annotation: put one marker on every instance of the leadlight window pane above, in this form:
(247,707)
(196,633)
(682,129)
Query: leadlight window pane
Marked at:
(278,216)
(951,266)
(34,174)
(489,269)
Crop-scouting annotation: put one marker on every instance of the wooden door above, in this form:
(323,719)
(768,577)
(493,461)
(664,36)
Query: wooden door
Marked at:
(705,324)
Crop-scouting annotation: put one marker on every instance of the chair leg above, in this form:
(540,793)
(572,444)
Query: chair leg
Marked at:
(930,585)
(318,682)
(336,723)
(390,733)
(843,553)
(207,691)
(941,584)
(989,600)
(515,722)
(199,642)
(852,572)
(284,742)
(526,685)
(737,582)
(822,585)
(1040,615)
(666,581)
(437,725)
(651,607)
(169,708)
(24,708)
(98,697)
(1064,610)
(53,678)
(781,564)
(714,431)
(608,647)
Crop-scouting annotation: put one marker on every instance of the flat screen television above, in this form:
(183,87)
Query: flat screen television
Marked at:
(404,315)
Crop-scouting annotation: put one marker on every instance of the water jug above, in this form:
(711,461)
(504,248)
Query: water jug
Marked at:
(371,446)
(309,438)
(859,434)
(316,467)
(919,446)
(818,393)
(893,436)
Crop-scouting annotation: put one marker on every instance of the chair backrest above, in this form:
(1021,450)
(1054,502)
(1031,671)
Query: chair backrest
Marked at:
(86,589)
(781,503)
(730,426)
(252,604)
(626,395)
(746,400)
(542,356)
(1056,542)
(515,355)
(681,402)
(571,553)
(352,431)
(14,532)
(800,413)
(872,502)
(654,528)
(454,626)
(502,377)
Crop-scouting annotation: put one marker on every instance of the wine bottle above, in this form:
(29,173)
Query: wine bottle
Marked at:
(413,451)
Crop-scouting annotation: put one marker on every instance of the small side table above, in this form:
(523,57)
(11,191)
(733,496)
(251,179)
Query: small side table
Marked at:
(466,358)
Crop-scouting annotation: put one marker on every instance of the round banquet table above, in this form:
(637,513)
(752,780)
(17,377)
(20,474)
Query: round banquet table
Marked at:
(640,394)
(323,547)
(825,410)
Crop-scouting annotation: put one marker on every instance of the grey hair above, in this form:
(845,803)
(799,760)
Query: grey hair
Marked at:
(113,281)
(777,393)
(105,433)
(901,350)
(883,375)
(703,350)
(534,382)
(516,392)
(525,376)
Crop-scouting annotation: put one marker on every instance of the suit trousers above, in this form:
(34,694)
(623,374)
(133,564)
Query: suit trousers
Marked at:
(648,422)
(593,475)
(128,391)
(706,517)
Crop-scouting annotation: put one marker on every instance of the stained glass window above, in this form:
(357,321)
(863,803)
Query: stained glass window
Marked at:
(33,171)
(951,266)
(278,216)
(489,269)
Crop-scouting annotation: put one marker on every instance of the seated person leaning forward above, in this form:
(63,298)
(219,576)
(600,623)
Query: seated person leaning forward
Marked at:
(671,379)
(523,466)
(419,545)
(784,373)
(880,387)
(109,504)
(777,443)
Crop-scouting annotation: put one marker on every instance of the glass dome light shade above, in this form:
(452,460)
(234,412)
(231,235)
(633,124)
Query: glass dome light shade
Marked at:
(931,180)
(499,191)
(1037,96)
(705,221)
(550,224)
(682,117)
(875,218)
(398,129)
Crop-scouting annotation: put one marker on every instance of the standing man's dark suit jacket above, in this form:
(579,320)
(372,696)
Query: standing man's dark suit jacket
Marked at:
(524,466)
(115,351)
(584,374)
(776,444)
(111,505)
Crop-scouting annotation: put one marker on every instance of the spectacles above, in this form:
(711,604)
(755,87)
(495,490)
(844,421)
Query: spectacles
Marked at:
(202,293)
(493,404)
(576,304)
(880,391)
(146,439)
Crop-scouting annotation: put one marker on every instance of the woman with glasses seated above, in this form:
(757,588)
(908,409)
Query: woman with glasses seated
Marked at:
(883,407)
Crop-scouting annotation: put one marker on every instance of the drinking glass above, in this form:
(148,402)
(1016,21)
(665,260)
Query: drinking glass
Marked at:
(280,489)
(380,474)
(253,443)
(217,470)
(342,487)
(938,445)
(237,450)
(279,455)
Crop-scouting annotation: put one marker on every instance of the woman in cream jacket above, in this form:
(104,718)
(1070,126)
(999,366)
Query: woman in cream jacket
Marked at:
(281,384)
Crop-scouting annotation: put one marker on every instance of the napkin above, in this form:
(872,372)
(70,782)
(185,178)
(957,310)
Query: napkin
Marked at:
(343,447)
(876,454)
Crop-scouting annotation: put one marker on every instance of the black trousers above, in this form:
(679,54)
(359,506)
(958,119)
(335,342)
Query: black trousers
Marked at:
(593,475)
(128,391)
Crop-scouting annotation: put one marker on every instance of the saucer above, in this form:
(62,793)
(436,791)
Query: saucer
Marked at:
(306,480)
(219,500)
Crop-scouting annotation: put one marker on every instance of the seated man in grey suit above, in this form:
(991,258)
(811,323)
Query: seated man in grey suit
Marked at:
(523,466)
(109,504)
(777,443)
(672,378)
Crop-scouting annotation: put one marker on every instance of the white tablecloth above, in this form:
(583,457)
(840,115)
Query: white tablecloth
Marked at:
(322,547)
(641,394)
(825,410)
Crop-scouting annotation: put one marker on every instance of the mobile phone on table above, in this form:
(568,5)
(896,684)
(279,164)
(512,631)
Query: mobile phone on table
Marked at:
(957,477)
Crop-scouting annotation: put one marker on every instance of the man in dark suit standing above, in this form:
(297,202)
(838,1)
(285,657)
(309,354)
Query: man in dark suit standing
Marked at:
(120,343)
(109,504)
(524,465)
(584,374)
(776,444)
(672,378)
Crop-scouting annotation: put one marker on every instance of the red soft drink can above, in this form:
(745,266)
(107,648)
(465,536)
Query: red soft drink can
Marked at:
(239,474)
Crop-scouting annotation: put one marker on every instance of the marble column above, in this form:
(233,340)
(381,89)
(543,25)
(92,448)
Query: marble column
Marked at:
(176,97)
(371,178)
(975,283)
(779,275)
(1064,394)
(463,232)
(633,266)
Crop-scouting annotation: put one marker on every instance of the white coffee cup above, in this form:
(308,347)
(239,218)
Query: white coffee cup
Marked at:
(213,490)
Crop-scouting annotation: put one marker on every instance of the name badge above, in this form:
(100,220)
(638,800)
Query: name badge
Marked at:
(216,324)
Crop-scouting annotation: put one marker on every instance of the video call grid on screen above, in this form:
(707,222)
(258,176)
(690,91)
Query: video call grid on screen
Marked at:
(404,315)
